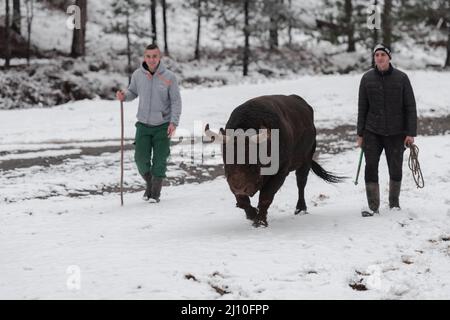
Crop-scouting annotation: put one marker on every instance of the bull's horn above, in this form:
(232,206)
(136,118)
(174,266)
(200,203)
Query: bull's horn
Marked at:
(261,137)
(217,138)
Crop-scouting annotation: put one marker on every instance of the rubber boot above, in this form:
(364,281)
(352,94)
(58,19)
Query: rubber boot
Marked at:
(373,199)
(148,189)
(394,194)
(156,189)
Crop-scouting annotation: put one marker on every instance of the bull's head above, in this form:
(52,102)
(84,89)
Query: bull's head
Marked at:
(241,159)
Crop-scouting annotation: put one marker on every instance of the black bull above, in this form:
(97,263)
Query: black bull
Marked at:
(294,119)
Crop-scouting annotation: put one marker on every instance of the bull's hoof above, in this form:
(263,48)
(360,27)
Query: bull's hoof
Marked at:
(260,223)
(251,213)
(301,212)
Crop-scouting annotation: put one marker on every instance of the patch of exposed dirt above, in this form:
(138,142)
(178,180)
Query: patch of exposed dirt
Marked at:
(329,141)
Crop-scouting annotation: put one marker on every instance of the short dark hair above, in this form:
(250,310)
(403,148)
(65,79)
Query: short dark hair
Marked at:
(152,46)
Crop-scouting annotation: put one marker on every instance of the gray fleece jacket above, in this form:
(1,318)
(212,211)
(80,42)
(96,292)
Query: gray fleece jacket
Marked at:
(159,95)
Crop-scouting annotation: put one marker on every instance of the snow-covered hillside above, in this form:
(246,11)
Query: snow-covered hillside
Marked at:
(59,79)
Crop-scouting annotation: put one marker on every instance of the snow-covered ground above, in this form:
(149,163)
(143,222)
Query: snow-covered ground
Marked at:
(147,251)
(195,243)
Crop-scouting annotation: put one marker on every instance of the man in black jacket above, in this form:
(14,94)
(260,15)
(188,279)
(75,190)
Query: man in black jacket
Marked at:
(387,119)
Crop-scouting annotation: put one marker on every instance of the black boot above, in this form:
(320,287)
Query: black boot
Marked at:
(148,189)
(373,199)
(156,189)
(394,194)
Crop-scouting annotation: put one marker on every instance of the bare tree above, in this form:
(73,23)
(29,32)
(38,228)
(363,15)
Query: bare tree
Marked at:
(166,45)
(387,23)
(124,9)
(375,30)
(153,20)
(446,20)
(30,15)
(247,38)
(79,35)
(447,61)
(7,37)
(273,10)
(16,21)
(127,27)
(375,37)
(290,23)
(349,26)
(199,25)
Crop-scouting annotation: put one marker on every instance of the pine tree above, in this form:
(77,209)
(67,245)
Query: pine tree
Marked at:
(434,13)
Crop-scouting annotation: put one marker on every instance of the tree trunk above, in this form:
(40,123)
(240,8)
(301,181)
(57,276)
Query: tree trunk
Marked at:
(273,33)
(349,26)
(273,29)
(30,15)
(375,38)
(387,23)
(153,20)
(79,35)
(166,45)
(290,25)
(7,37)
(247,39)
(127,26)
(16,21)
(447,61)
(199,21)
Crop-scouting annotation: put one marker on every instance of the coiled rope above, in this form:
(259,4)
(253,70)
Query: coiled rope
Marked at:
(413,163)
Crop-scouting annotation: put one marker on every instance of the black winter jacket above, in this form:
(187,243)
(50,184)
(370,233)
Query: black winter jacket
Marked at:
(386,104)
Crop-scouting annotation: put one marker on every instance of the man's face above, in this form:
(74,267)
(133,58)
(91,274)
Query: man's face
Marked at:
(152,58)
(382,60)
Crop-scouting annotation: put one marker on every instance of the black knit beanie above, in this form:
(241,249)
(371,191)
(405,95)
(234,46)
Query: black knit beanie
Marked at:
(384,48)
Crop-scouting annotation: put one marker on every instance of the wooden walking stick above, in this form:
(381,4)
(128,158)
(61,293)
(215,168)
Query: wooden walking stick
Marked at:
(121,153)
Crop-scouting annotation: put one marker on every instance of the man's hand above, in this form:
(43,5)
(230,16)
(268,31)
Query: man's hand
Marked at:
(359,141)
(408,141)
(120,95)
(171,130)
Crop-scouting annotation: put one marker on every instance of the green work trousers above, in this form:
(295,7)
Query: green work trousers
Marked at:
(152,149)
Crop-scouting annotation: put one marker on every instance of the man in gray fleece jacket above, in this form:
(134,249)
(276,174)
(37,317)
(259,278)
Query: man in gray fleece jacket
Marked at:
(158,116)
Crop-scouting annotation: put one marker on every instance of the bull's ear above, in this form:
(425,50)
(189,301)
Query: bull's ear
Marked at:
(217,138)
(210,135)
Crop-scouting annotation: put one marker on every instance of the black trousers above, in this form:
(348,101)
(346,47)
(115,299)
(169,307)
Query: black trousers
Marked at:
(373,145)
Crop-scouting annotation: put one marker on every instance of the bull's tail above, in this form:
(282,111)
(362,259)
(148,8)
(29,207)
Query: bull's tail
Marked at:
(325,175)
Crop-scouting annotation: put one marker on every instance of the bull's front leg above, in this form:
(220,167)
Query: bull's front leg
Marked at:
(243,202)
(266,196)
